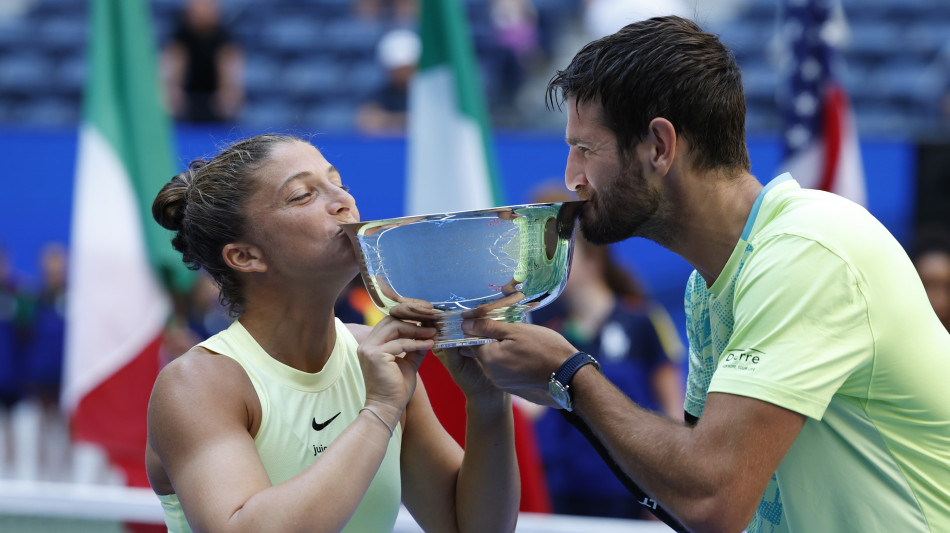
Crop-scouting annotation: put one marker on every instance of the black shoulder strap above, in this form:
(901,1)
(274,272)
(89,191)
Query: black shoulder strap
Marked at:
(641,496)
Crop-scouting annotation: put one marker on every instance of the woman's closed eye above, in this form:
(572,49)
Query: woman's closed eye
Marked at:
(301,196)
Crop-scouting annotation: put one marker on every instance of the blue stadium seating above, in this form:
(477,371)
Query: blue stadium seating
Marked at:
(314,60)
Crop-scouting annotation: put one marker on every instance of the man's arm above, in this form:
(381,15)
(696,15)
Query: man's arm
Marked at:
(710,477)
(642,497)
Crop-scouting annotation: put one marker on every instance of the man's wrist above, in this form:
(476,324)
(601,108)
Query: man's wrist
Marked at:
(559,385)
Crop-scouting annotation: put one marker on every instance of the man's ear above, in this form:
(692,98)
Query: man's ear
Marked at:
(662,137)
(244,257)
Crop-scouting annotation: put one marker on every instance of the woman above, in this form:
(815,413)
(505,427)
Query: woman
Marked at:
(281,423)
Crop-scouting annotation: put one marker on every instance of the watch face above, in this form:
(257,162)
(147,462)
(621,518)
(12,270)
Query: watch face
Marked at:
(560,394)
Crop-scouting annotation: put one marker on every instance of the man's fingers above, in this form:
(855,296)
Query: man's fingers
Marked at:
(493,329)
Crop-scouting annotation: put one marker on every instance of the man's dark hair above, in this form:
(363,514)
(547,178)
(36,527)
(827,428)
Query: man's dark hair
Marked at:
(662,67)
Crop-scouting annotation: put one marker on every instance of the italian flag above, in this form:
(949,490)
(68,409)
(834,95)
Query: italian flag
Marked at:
(451,159)
(117,306)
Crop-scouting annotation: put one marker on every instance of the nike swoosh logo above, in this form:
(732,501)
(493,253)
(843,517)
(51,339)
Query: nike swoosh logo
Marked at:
(319,427)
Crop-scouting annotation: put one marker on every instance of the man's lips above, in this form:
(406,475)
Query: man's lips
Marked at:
(584,195)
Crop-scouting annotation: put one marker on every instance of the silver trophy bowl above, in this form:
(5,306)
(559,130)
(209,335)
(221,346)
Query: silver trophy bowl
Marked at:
(497,263)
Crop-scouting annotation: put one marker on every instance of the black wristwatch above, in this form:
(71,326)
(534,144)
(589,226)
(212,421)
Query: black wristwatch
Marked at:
(560,383)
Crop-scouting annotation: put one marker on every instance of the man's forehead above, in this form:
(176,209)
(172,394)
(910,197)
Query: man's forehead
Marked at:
(584,121)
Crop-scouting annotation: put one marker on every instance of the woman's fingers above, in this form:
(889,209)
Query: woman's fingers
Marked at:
(415,310)
(391,328)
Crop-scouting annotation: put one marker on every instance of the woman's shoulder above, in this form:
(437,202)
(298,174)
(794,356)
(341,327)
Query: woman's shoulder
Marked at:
(199,372)
(202,377)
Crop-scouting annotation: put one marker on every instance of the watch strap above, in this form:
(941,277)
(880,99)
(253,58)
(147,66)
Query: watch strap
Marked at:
(566,372)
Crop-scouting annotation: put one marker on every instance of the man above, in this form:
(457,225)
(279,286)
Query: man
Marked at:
(814,354)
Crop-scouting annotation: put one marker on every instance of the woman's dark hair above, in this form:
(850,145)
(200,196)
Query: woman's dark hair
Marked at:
(204,205)
(662,67)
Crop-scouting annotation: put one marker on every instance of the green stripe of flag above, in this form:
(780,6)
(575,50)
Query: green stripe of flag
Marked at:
(447,44)
(122,101)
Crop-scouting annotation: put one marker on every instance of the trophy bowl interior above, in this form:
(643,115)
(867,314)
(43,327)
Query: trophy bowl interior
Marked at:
(496,263)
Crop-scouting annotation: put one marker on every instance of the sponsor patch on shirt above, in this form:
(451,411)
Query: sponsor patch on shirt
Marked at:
(746,359)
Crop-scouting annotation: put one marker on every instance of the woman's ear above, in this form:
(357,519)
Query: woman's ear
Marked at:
(243,257)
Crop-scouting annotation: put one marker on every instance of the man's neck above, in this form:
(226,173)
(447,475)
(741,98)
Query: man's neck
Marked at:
(714,212)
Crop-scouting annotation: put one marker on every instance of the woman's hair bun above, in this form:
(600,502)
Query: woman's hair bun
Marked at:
(168,209)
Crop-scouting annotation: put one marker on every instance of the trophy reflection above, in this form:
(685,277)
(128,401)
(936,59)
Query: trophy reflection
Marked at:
(497,263)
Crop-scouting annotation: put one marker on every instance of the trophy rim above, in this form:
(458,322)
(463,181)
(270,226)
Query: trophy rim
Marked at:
(413,218)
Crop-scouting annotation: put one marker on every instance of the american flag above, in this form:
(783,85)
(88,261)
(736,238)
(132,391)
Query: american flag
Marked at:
(821,145)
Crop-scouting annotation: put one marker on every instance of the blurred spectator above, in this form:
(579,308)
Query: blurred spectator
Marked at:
(206,316)
(198,315)
(10,379)
(515,24)
(604,17)
(203,67)
(10,314)
(931,256)
(604,311)
(400,11)
(47,328)
(42,435)
(385,110)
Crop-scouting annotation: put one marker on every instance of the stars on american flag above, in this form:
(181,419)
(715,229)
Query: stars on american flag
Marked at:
(808,31)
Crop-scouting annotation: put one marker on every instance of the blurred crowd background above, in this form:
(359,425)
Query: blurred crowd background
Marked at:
(339,69)
(314,63)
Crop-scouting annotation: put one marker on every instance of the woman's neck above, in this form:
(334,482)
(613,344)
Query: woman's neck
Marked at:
(299,331)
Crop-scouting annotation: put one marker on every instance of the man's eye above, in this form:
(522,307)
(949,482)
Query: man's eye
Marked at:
(345,188)
(299,197)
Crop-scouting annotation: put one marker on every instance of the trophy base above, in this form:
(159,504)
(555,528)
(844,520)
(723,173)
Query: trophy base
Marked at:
(458,343)
(450,326)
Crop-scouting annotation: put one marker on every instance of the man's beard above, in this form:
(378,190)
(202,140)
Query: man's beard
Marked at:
(626,207)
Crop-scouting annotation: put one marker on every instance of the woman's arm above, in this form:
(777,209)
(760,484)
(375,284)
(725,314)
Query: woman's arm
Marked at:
(199,427)
(202,417)
(446,489)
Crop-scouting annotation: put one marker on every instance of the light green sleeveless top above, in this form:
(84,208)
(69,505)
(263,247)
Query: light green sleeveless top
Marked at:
(301,415)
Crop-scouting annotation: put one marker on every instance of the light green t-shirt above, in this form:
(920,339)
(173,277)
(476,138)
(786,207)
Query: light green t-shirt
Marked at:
(820,311)
(301,415)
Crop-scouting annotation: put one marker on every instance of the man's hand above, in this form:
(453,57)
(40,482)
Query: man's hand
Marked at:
(523,359)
